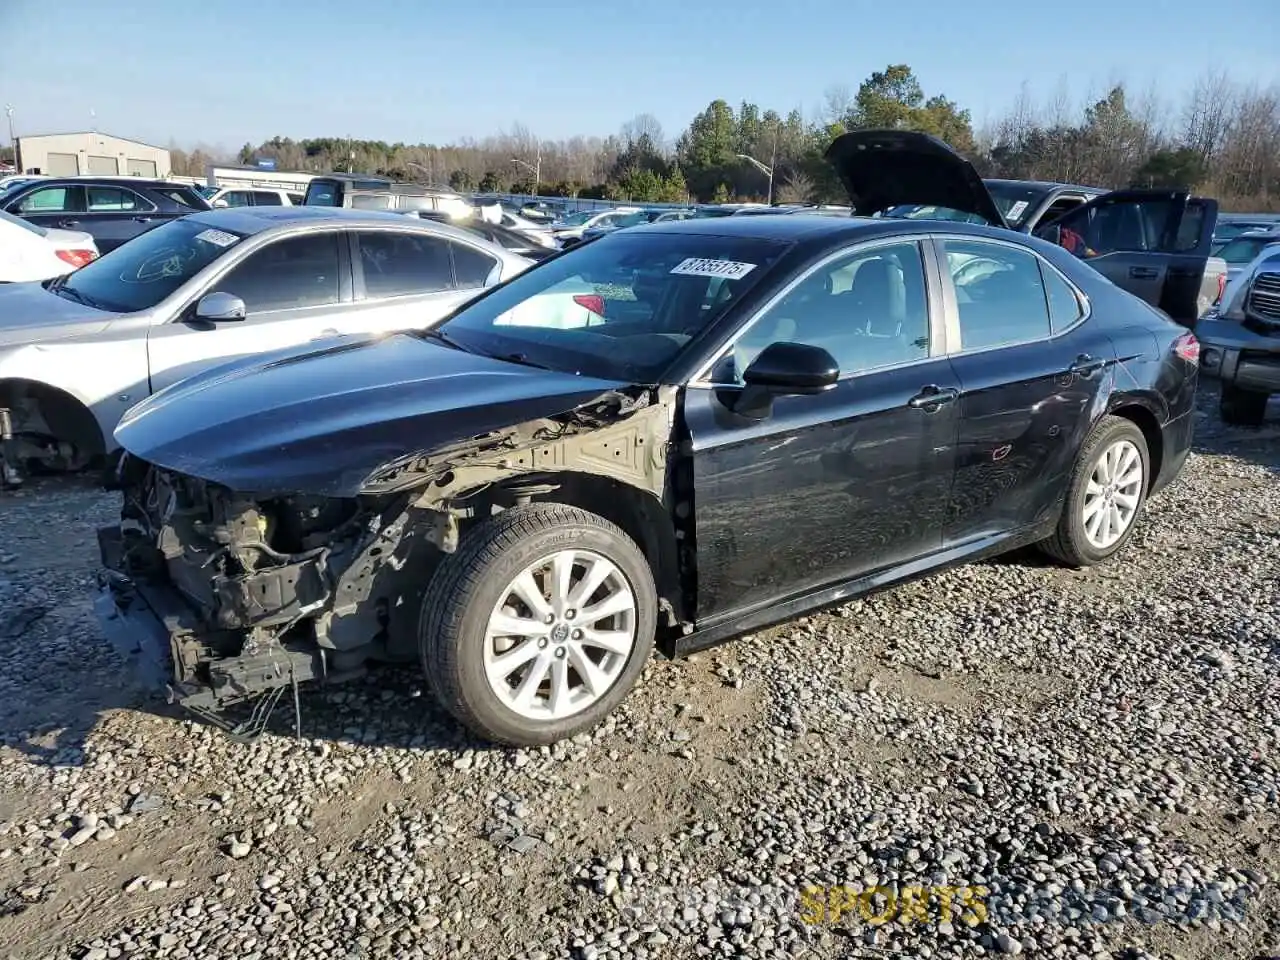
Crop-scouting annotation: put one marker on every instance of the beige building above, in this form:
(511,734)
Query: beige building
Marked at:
(72,154)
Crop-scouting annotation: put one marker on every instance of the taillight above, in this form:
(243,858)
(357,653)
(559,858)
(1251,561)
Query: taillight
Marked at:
(1187,347)
(1222,287)
(592,301)
(77,258)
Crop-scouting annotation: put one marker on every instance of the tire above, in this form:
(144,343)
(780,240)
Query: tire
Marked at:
(1242,408)
(1072,542)
(467,589)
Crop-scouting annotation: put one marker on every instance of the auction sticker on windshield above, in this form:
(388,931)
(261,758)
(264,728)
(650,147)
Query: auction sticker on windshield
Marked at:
(219,238)
(708,267)
(1016,210)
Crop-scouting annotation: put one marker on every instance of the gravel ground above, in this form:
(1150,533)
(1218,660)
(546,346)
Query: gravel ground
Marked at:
(1096,751)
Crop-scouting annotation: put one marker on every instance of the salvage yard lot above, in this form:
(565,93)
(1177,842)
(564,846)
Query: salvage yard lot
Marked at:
(1012,725)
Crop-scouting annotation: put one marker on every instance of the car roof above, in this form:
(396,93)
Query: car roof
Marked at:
(1042,184)
(250,220)
(109,181)
(814,228)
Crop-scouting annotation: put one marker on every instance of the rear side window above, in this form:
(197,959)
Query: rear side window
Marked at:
(288,274)
(401,264)
(371,201)
(1064,306)
(265,198)
(183,197)
(113,200)
(471,267)
(1000,294)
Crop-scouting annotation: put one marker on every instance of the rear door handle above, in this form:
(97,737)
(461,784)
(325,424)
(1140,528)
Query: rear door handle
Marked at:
(141,219)
(932,397)
(1143,273)
(68,223)
(1086,366)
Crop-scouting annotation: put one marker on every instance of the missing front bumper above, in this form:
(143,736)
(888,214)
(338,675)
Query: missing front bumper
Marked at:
(159,636)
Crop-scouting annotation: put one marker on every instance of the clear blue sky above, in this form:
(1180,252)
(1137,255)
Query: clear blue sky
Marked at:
(227,71)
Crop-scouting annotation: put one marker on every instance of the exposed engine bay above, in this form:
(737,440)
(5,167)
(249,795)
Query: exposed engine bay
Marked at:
(257,594)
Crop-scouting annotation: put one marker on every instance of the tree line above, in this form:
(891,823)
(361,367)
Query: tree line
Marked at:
(1223,141)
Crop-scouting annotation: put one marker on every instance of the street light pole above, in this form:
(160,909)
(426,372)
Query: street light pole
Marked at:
(13,141)
(763,168)
(535,168)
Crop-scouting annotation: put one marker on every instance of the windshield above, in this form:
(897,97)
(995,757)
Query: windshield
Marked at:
(18,221)
(1244,249)
(578,219)
(621,308)
(139,274)
(634,219)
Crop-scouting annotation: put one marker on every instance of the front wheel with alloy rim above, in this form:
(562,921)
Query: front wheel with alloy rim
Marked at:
(1108,488)
(539,625)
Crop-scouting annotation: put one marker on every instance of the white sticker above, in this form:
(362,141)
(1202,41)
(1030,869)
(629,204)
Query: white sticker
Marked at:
(1016,210)
(707,267)
(219,238)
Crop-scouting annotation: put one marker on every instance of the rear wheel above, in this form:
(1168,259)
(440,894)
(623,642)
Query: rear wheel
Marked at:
(539,625)
(1242,408)
(1108,488)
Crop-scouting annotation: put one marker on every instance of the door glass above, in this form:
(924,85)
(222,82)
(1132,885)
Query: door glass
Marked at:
(1131,226)
(868,310)
(999,292)
(1064,305)
(50,200)
(262,198)
(398,264)
(290,273)
(236,198)
(112,200)
(471,267)
(1190,228)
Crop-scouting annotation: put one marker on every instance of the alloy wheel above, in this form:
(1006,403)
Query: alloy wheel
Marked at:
(1113,493)
(560,635)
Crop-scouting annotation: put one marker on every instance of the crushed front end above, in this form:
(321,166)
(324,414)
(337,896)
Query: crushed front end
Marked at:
(220,597)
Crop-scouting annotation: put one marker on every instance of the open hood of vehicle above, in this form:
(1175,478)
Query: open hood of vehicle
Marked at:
(321,418)
(884,168)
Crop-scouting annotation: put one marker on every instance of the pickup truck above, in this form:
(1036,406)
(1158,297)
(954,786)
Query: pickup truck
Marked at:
(1240,341)
(1154,243)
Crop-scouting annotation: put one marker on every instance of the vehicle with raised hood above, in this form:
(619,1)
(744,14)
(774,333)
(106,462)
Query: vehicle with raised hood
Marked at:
(666,437)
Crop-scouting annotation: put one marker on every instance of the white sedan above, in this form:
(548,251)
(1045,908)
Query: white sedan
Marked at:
(28,252)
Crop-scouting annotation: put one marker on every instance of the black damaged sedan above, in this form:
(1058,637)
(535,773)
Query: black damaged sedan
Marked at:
(663,438)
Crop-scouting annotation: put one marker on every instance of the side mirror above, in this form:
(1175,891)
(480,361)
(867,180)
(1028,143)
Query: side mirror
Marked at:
(220,307)
(220,202)
(785,368)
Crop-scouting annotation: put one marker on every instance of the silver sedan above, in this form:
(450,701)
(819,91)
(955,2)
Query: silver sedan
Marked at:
(78,351)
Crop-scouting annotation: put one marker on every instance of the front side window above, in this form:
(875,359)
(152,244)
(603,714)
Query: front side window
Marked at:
(623,307)
(114,200)
(139,274)
(1000,293)
(868,309)
(399,264)
(53,200)
(287,274)
(236,198)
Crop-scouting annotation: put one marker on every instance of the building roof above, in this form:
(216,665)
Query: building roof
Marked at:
(89,133)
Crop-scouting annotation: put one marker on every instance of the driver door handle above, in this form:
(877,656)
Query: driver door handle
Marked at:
(68,223)
(1086,366)
(933,397)
(141,219)
(1143,273)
